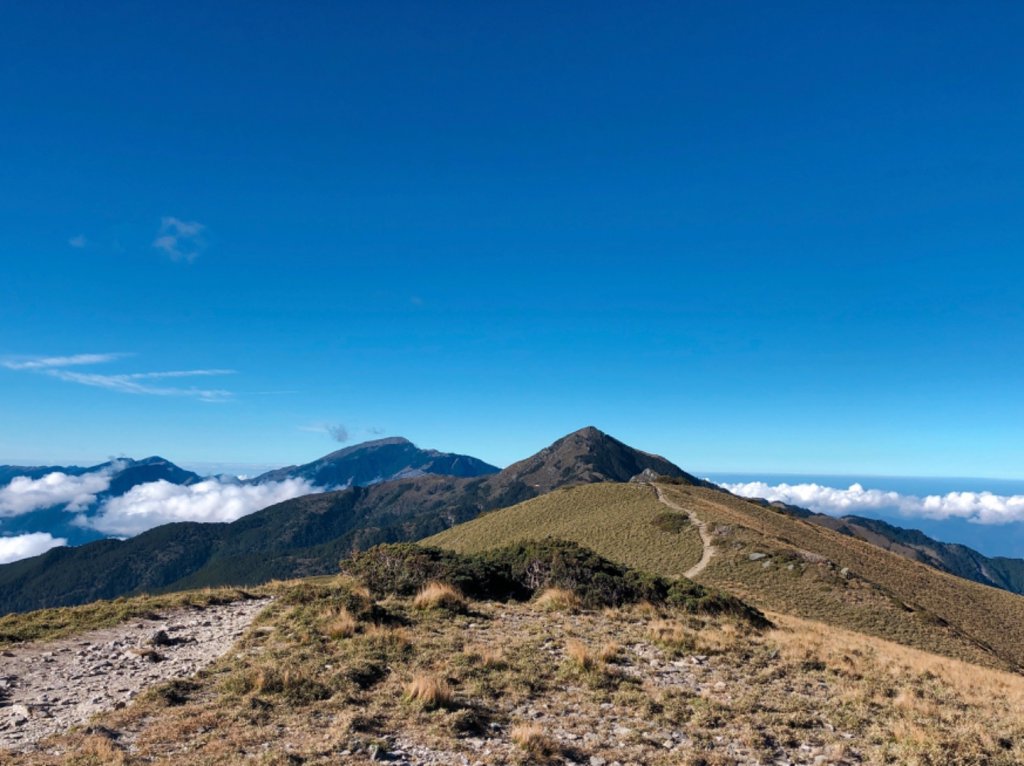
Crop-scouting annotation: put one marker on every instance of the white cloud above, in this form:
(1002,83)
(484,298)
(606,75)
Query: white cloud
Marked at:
(78,241)
(180,240)
(23,546)
(129,384)
(50,362)
(24,495)
(160,502)
(978,507)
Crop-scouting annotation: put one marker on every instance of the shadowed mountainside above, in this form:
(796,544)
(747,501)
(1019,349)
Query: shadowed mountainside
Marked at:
(308,535)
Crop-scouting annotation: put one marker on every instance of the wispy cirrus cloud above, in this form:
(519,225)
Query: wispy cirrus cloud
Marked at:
(78,241)
(49,362)
(180,240)
(126,383)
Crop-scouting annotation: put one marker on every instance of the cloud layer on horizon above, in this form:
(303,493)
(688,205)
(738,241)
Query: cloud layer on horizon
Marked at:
(149,505)
(18,547)
(976,507)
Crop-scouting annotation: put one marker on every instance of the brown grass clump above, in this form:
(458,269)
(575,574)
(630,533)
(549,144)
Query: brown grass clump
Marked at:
(580,654)
(558,600)
(532,739)
(429,692)
(342,624)
(672,636)
(440,595)
(610,652)
(100,750)
(388,638)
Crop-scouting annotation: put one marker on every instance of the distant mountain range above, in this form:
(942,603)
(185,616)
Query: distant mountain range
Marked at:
(389,490)
(123,474)
(359,465)
(308,535)
(376,461)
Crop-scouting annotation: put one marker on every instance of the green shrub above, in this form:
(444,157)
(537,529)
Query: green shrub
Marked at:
(670,521)
(519,571)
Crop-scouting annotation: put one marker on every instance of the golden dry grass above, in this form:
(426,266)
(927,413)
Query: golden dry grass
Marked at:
(531,739)
(580,655)
(560,599)
(429,692)
(618,521)
(341,623)
(440,595)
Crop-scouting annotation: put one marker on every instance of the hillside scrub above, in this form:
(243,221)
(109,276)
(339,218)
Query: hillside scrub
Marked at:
(517,572)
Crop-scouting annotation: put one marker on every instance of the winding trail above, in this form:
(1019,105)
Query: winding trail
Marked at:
(702,527)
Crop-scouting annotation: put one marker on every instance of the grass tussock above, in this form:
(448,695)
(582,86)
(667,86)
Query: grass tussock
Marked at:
(341,623)
(440,595)
(580,655)
(558,599)
(429,692)
(673,636)
(532,740)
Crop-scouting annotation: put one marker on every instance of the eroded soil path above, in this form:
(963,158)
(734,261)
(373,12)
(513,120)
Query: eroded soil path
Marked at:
(702,527)
(46,688)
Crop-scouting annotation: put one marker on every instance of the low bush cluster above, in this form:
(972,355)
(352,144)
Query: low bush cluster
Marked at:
(518,571)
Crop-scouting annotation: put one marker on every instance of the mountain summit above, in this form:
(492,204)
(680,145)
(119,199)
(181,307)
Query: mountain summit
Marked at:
(376,461)
(308,535)
(588,456)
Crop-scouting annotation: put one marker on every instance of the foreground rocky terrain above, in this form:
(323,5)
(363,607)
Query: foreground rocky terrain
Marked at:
(46,688)
(329,674)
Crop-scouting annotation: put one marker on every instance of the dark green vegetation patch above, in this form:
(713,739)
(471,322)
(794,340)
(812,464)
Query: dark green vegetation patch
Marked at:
(671,521)
(517,572)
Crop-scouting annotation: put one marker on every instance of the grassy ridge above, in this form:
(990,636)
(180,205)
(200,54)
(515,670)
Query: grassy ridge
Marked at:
(623,522)
(880,593)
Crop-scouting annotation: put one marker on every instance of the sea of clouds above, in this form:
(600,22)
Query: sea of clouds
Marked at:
(143,507)
(160,502)
(977,507)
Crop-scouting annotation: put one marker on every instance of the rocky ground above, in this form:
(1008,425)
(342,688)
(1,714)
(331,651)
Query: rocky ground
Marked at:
(47,688)
(326,674)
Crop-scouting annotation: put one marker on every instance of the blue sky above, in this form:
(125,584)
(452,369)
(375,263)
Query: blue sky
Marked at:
(748,236)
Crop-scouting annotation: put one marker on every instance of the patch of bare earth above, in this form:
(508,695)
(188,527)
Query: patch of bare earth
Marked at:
(46,688)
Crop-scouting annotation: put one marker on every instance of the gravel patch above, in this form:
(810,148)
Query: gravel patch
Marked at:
(46,688)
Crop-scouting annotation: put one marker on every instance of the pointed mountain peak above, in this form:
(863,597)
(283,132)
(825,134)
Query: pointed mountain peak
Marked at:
(590,455)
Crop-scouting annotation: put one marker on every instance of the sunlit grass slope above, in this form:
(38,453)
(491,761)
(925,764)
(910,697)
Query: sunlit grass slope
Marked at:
(623,522)
(814,572)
